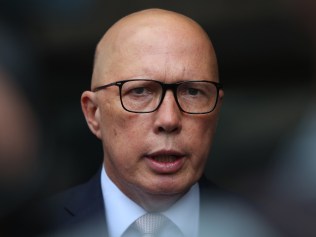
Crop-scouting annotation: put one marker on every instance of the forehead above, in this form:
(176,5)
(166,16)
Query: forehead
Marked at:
(160,51)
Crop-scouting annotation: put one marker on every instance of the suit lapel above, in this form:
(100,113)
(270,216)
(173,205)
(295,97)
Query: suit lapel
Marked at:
(87,209)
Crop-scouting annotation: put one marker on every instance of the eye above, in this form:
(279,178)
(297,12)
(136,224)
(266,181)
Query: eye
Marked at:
(139,90)
(193,91)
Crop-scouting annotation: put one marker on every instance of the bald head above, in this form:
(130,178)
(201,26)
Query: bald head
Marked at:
(150,32)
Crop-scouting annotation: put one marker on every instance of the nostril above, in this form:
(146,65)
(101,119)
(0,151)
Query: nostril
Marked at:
(169,128)
(164,129)
(160,129)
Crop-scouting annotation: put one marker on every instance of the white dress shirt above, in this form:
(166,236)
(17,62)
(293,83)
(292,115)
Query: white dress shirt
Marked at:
(121,211)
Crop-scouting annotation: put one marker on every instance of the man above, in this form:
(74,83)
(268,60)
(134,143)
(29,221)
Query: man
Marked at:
(154,102)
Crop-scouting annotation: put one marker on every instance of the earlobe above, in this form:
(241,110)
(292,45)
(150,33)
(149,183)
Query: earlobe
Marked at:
(91,112)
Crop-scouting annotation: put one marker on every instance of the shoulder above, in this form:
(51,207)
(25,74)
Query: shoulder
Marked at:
(74,208)
(80,198)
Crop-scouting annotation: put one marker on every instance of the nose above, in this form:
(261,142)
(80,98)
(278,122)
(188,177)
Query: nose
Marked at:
(168,116)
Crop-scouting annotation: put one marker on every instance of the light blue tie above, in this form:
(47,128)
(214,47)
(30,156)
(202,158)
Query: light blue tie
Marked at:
(150,224)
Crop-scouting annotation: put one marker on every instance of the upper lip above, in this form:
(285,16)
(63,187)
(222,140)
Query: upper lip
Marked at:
(166,153)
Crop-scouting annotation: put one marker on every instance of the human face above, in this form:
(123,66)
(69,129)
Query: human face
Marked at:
(163,153)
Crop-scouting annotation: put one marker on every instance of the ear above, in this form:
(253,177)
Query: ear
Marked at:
(220,97)
(91,112)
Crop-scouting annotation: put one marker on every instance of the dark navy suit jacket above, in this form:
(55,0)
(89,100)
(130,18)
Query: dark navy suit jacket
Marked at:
(80,211)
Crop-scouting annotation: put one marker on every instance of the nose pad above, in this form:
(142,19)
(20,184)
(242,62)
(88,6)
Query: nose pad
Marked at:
(168,116)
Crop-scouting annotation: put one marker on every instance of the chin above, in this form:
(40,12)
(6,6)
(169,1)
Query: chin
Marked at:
(170,186)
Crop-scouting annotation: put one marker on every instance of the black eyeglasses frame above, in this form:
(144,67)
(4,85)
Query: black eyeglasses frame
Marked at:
(165,86)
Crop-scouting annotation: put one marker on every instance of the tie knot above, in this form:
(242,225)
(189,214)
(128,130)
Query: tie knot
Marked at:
(150,224)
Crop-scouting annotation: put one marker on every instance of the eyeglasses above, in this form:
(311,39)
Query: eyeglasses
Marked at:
(145,96)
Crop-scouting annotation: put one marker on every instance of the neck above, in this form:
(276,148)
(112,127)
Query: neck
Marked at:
(151,202)
(156,203)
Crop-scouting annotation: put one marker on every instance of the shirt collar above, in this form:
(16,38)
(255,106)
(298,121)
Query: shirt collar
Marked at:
(121,209)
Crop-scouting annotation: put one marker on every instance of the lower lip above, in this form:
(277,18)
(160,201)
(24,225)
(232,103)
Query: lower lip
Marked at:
(165,167)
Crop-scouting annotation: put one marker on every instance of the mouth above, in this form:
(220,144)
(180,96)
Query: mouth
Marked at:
(165,158)
(165,162)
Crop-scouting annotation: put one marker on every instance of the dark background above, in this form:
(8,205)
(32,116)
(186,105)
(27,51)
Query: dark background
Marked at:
(265,51)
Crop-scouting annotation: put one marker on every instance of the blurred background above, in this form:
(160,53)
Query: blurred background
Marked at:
(266,139)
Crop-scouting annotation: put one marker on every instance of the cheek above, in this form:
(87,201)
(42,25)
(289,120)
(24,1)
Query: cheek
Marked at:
(200,135)
(113,118)
(201,131)
(120,130)
(127,127)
